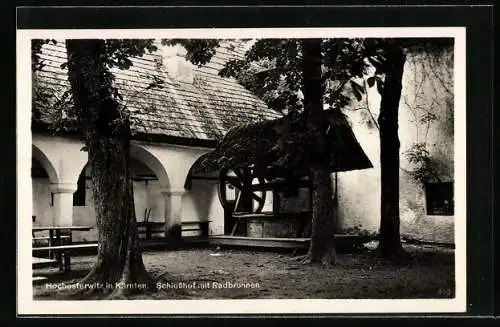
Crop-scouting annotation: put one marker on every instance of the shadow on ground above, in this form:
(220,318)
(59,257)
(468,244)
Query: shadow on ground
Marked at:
(244,274)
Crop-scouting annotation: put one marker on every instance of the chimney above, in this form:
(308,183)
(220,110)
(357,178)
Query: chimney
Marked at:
(176,65)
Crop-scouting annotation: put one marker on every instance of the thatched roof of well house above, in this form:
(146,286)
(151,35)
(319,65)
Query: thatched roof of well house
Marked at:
(257,145)
(204,109)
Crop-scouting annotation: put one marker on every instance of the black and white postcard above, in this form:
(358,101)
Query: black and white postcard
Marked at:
(273,170)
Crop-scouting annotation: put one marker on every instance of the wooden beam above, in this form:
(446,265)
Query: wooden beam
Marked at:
(276,185)
(290,243)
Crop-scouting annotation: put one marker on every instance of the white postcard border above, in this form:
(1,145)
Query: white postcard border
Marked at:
(27,306)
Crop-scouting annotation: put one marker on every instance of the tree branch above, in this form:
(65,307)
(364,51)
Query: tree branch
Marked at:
(440,79)
(368,106)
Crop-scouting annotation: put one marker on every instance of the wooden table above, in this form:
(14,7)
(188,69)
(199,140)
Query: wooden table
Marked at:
(55,239)
(55,232)
(72,227)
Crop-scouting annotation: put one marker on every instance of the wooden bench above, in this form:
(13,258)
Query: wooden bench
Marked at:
(196,226)
(148,229)
(39,238)
(38,279)
(42,262)
(152,228)
(47,239)
(63,253)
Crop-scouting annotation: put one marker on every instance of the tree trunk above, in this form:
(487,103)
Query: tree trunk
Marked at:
(119,269)
(321,248)
(390,240)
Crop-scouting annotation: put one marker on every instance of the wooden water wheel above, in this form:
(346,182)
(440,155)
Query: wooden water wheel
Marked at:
(242,183)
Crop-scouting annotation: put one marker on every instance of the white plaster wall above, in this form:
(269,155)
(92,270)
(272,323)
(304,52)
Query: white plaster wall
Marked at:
(42,208)
(358,200)
(199,204)
(415,223)
(215,215)
(359,207)
(85,216)
(202,203)
(41,196)
(64,155)
(359,191)
(268,203)
(176,160)
(146,195)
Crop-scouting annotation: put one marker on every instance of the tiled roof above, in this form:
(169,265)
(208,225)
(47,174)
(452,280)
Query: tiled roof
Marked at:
(205,109)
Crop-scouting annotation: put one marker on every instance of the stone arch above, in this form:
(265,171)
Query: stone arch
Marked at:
(201,202)
(75,170)
(46,163)
(190,159)
(64,155)
(140,153)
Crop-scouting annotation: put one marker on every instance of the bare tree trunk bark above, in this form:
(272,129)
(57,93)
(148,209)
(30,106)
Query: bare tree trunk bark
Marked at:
(119,268)
(322,247)
(390,239)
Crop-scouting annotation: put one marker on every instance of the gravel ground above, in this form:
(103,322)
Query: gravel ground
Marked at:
(246,274)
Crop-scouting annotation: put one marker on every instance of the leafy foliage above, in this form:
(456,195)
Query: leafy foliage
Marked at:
(282,147)
(424,169)
(199,51)
(428,98)
(36,48)
(119,51)
(377,52)
(272,69)
(63,115)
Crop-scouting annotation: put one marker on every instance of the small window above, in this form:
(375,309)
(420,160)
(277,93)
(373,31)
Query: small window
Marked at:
(439,199)
(79,195)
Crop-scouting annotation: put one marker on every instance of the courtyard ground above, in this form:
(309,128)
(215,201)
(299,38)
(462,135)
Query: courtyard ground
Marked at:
(210,273)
